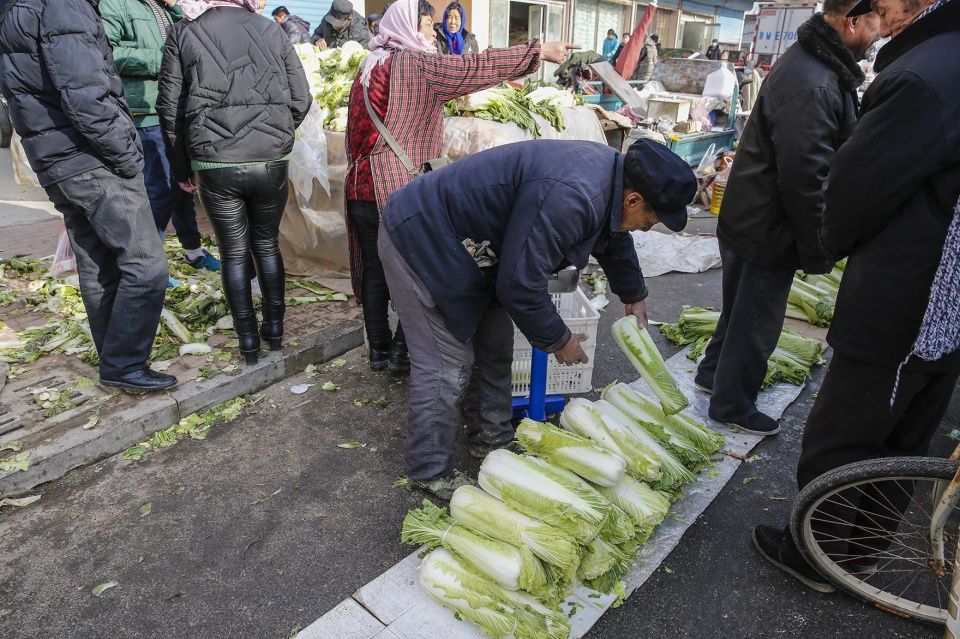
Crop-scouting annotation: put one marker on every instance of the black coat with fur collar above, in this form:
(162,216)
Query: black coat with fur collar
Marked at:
(807,107)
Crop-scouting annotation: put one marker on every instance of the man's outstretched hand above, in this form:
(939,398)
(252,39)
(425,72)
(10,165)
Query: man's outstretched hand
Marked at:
(572,353)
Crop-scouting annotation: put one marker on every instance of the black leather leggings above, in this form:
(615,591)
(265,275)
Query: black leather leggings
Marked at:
(374,297)
(245,204)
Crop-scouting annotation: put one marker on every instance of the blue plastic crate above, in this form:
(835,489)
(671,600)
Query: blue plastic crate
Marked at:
(691,147)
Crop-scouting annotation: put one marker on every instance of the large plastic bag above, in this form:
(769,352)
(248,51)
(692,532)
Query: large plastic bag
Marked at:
(23,175)
(308,162)
(313,232)
(467,136)
(64,261)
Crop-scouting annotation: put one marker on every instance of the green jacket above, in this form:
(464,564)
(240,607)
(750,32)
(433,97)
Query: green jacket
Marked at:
(134,35)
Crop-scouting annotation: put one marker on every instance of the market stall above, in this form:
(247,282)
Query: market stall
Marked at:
(692,103)
(313,232)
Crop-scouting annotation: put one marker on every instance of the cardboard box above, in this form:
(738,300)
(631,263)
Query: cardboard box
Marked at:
(672,109)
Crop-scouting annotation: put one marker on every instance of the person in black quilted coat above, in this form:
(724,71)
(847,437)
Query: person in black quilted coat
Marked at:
(66,102)
(232,92)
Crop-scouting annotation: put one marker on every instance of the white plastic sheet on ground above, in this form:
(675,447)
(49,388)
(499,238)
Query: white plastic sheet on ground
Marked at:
(466,136)
(661,253)
(313,233)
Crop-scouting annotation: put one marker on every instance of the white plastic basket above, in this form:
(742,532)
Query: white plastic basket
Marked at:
(580,317)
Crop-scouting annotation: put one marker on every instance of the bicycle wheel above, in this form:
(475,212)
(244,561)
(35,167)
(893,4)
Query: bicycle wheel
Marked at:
(866,527)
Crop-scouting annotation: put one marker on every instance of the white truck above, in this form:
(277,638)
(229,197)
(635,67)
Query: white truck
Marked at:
(776,28)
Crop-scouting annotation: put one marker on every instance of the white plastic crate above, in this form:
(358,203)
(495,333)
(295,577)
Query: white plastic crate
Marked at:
(580,317)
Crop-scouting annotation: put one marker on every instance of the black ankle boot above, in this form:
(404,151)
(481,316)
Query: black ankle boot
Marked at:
(271,329)
(399,360)
(379,358)
(246,329)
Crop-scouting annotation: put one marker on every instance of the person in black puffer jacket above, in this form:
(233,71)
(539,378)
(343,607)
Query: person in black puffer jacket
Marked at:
(772,208)
(232,92)
(66,102)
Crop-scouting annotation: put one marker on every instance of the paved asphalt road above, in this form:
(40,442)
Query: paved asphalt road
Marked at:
(267,524)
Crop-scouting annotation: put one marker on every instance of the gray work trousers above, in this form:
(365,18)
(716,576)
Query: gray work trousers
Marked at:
(447,375)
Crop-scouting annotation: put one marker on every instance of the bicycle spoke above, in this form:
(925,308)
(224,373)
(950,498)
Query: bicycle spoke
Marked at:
(873,535)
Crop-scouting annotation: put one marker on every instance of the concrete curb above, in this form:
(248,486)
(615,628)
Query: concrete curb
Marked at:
(117,432)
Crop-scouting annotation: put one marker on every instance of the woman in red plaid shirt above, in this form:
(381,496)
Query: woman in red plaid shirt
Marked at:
(408,83)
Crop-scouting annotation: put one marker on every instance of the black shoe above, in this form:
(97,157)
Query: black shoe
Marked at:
(444,487)
(399,360)
(776,548)
(703,387)
(480,450)
(146,380)
(756,424)
(379,359)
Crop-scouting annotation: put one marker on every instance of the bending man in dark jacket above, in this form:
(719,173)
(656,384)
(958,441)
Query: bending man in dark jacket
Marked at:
(66,101)
(892,190)
(770,219)
(296,28)
(341,24)
(468,248)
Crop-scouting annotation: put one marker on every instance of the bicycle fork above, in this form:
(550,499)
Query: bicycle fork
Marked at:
(945,505)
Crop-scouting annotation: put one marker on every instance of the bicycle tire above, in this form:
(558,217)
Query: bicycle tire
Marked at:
(849,476)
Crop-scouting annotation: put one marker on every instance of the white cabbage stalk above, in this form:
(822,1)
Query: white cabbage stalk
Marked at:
(646,506)
(559,97)
(512,567)
(571,451)
(175,326)
(648,415)
(499,613)
(640,349)
(547,493)
(339,121)
(479,100)
(679,431)
(475,508)
(583,417)
(674,473)
(600,557)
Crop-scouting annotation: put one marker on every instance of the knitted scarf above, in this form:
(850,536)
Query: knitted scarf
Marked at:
(940,330)
(821,40)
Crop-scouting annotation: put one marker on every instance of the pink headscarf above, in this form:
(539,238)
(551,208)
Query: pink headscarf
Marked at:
(399,31)
(193,9)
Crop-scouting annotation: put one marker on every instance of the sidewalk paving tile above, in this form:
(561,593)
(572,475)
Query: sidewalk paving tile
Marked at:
(348,620)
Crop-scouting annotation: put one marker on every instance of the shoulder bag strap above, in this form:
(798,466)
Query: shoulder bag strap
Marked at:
(394,145)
